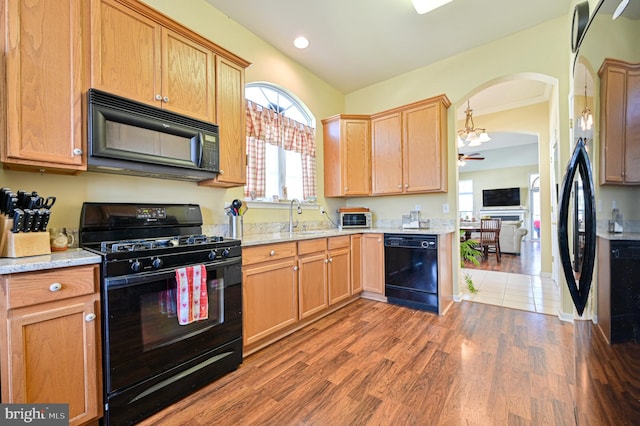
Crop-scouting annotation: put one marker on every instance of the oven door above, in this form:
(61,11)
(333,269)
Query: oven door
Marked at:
(142,335)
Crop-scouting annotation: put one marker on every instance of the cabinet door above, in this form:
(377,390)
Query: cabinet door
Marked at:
(187,77)
(44,70)
(54,356)
(339,275)
(125,53)
(356,149)
(356,263)
(270,298)
(312,284)
(632,128)
(386,154)
(373,263)
(425,154)
(613,124)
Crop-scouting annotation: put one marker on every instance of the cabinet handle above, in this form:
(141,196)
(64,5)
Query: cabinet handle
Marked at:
(326,261)
(346,189)
(295,268)
(221,172)
(77,151)
(165,99)
(55,287)
(90,317)
(331,259)
(158,98)
(379,240)
(406,185)
(400,186)
(272,253)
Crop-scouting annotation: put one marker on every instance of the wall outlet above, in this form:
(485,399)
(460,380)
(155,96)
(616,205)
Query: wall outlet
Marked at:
(445,208)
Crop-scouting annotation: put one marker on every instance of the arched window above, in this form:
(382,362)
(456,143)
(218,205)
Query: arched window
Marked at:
(280,145)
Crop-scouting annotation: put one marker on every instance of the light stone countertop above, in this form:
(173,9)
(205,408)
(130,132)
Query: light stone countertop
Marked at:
(620,236)
(62,259)
(281,237)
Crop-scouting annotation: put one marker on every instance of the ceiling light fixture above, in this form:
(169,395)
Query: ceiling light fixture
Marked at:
(621,7)
(470,134)
(424,6)
(586,118)
(301,42)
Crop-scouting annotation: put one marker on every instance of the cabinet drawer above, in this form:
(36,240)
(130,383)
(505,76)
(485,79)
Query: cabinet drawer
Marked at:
(257,254)
(312,246)
(30,288)
(341,241)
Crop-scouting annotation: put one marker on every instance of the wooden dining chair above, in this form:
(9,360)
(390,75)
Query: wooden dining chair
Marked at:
(490,237)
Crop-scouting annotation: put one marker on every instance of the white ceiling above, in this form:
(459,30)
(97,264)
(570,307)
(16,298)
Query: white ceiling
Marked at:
(356,43)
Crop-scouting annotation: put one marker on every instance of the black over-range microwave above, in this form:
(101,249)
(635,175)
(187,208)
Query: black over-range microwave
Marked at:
(129,137)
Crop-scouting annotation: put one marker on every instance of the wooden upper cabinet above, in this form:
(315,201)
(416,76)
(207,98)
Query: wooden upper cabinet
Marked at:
(409,151)
(386,153)
(44,54)
(231,119)
(347,153)
(620,123)
(136,57)
(425,147)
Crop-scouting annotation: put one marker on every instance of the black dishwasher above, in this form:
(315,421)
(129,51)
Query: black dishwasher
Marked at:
(625,291)
(411,270)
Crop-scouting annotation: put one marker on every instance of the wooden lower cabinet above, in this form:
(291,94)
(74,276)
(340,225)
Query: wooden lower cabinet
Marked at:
(270,295)
(339,269)
(373,263)
(356,263)
(50,340)
(312,277)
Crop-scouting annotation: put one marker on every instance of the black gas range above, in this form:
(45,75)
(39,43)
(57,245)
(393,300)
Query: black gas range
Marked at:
(151,359)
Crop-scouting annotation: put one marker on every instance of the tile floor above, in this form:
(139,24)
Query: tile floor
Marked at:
(525,292)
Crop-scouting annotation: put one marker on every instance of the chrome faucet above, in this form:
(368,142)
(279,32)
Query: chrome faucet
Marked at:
(291,225)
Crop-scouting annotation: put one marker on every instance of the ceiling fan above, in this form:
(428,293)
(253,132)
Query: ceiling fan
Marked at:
(462,158)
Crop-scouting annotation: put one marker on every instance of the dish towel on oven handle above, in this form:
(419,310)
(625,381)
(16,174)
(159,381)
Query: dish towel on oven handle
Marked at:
(192,298)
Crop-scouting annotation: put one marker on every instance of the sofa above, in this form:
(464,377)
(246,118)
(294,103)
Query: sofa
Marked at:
(511,235)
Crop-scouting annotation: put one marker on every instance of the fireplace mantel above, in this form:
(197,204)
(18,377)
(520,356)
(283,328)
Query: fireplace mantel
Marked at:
(505,213)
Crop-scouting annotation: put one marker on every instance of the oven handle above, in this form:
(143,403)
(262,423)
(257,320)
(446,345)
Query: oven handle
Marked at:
(134,279)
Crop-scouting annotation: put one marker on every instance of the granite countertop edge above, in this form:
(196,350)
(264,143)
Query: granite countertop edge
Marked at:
(63,259)
(282,237)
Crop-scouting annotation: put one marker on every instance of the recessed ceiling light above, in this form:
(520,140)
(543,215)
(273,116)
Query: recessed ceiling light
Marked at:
(424,6)
(301,42)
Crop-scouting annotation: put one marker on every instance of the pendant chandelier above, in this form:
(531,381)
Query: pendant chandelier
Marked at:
(471,136)
(586,118)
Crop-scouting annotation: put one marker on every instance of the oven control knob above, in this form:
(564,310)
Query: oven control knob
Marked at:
(156,263)
(136,266)
(225,252)
(213,255)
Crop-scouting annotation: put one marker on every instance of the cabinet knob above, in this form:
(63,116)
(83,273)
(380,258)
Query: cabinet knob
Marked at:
(346,189)
(165,99)
(331,259)
(221,172)
(158,98)
(379,240)
(90,317)
(55,287)
(272,253)
(406,185)
(400,186)
(295,268)
(326,261)
(77,151)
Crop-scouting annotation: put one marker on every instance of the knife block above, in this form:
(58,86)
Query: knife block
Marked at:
(22,244)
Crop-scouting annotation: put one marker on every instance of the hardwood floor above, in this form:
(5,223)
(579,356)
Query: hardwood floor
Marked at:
(527,262)
(372,363)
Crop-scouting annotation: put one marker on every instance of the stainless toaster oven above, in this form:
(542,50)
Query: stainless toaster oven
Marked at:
(350,220)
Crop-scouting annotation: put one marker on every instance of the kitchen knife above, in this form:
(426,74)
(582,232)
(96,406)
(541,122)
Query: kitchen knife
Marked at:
(37,222)
(29,217)
(45,220)
(3,199)
(11,204)
(18,220)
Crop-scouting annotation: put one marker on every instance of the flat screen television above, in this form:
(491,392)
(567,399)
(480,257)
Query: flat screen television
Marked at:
(503,197)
